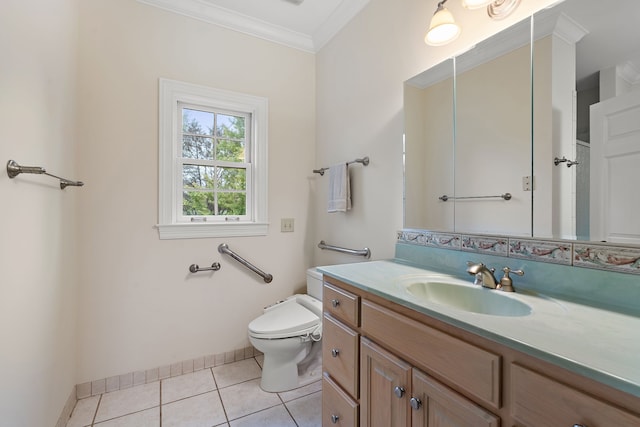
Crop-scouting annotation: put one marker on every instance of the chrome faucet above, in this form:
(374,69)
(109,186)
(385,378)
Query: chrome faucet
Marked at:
(484,276)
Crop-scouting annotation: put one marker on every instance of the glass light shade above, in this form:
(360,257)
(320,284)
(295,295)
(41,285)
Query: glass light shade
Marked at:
(443,28)
(475,4)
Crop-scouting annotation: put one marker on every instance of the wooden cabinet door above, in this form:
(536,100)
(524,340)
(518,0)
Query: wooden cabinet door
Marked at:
(385,385)
(435,405)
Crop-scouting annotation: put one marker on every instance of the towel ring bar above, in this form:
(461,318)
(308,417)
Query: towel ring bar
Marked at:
(364,161)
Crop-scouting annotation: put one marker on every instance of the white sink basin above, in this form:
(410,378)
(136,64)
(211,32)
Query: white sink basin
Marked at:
(465,297)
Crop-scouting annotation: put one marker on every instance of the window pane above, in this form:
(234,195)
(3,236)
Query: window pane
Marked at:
(197,122)
(196,177)
(230,126)
(197,147)
(198,203)
(232,204)
(231,151)
(232,179)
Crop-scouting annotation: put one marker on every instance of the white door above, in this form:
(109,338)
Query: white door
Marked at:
(615,169)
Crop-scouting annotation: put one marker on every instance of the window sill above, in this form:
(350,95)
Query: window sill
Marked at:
(199,231)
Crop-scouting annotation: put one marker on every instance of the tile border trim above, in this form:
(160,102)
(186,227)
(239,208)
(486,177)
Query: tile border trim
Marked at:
(600,256)
(63,419)
(131,379)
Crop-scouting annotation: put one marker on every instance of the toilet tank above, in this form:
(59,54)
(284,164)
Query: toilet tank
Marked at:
(314,283)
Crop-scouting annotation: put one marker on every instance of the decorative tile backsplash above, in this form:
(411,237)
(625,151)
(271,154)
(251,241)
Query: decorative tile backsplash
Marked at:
(541,250)
(624,260)
(600,256)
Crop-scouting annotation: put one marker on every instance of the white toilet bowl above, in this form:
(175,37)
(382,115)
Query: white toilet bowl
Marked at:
(286,333)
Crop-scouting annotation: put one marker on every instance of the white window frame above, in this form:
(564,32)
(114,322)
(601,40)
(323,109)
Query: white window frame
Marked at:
(171,221)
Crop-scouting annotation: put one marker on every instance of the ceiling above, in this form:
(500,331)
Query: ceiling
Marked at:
(302,24)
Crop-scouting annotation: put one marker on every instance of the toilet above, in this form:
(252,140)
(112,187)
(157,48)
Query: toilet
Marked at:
(288,333)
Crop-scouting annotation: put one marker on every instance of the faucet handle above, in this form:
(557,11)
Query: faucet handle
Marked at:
(507,270)
(506,284)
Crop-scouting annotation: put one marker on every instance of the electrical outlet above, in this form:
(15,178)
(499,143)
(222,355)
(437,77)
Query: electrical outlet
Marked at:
(286,225)
(527,183)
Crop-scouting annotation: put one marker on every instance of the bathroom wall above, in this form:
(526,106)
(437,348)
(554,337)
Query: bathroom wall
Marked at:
(139,307)
(359,109)
(37,220)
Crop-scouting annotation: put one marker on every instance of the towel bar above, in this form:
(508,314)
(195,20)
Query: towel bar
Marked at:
(364,161)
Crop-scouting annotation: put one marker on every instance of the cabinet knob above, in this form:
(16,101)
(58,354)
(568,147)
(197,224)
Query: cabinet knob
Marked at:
(335,302)
(398,391)
(334,419)
(335,352)
(415,403)
(579,425)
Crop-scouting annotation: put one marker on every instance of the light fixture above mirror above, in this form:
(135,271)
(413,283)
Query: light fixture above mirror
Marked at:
(443,28)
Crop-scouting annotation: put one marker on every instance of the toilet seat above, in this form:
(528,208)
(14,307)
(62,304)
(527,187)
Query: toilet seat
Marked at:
(287,319)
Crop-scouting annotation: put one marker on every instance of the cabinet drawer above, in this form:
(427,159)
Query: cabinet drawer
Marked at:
(340,354)
(341,304)
(541,401)
(462,365)
(338,409)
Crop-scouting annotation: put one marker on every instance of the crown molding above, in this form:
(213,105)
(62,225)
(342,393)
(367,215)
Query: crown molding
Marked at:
(207,12)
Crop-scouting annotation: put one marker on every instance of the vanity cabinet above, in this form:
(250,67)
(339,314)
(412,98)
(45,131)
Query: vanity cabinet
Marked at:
(410,369)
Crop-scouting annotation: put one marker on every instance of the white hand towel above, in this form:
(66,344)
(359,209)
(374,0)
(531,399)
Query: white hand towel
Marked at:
(339,188)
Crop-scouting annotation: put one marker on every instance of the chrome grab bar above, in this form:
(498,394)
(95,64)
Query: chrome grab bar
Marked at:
(194,268)
(224,249)
(14,169)
(359,252)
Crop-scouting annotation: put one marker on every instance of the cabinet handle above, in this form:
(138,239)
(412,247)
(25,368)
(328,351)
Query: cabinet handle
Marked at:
(335,302)
(398,391)
(334,419)
(415,403)
(335,352)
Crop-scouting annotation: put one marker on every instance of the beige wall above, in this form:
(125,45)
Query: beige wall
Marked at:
(359,109)
(139,306)
(37,220)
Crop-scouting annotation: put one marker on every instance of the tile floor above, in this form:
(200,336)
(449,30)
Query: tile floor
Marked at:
(227,395)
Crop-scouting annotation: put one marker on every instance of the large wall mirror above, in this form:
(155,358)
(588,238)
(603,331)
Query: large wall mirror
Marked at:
(495,119)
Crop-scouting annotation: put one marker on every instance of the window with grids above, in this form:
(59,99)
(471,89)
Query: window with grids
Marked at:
(213,162)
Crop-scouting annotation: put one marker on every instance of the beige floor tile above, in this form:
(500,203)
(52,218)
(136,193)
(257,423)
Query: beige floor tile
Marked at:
(187,385)
(245,398)
(128,401)
(307,411)
(204,410)
(301,391)
(148,418)
(237,372)
(276,416)
(84,412)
